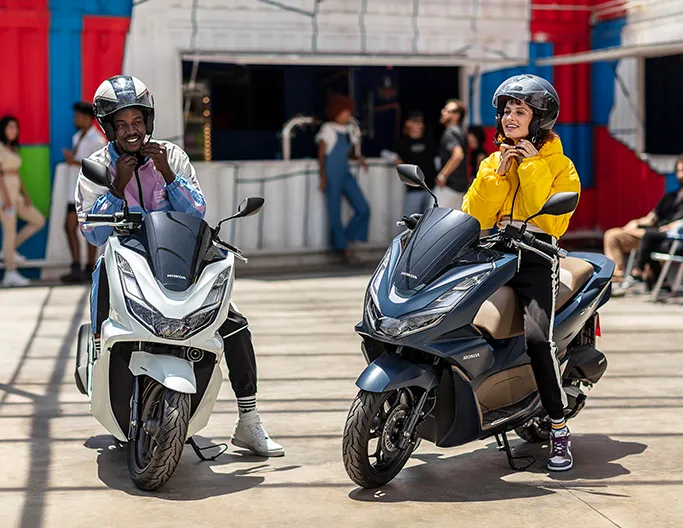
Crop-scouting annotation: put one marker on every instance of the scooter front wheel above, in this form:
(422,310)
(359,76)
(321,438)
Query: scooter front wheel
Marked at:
(155,452)
(370,447)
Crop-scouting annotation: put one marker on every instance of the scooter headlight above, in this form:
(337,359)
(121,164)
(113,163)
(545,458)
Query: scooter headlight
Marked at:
(408,325)
(154,321)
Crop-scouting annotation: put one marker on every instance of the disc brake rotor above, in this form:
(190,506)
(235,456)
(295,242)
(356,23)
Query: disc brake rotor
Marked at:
(392,429)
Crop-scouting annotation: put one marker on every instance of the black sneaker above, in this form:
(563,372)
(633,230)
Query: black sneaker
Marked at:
(560,450)
(73,276)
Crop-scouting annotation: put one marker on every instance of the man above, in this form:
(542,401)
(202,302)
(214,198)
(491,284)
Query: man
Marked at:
(87,140)
(647,234)
(158,176)
(452,177)
(415,148)
(621,240)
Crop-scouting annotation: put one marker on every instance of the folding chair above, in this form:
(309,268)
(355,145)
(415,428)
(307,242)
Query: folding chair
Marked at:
(674,256)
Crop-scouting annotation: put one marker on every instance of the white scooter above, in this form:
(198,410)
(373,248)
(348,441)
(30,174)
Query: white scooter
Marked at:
(155,379)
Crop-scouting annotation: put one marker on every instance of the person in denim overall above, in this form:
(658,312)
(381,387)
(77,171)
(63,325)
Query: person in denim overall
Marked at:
(336,140)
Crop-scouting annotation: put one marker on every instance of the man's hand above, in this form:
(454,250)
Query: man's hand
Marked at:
(125,168)
(69,157)
(363,164)
(323,183)
(441,180)
(157,153)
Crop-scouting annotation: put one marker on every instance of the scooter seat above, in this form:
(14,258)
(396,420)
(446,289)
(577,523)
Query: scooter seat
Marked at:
(501,316)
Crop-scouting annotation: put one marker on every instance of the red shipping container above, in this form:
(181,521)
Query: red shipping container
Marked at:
(35,5)
(24,90)
(627,186)
(102,47)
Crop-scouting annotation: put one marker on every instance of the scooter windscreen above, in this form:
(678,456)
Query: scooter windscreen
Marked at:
(441,237)
(175,245)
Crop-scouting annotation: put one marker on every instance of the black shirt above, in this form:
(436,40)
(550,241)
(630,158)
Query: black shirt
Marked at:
(669,208)
(453,137)
(420,152)
(474,163)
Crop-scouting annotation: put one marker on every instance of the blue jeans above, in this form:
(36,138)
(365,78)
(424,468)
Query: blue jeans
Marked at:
(344,184)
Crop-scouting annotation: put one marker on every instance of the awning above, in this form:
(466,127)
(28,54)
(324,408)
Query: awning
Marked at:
(349,59)
(617,52)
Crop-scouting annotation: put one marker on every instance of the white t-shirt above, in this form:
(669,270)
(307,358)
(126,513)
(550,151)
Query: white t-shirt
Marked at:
(92,141)
(328,134)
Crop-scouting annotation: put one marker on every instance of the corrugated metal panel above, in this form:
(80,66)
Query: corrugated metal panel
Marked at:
(120,8)
(577,141)
(491,80)
(626,183)
(24,86)
(103,42)
(572,83)
(36,5)
(65,80)
(604,35)
(585,216)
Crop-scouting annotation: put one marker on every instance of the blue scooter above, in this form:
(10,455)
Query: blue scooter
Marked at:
(444,339)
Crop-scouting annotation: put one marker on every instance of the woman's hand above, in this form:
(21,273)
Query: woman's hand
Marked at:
(526,149)
(509,153)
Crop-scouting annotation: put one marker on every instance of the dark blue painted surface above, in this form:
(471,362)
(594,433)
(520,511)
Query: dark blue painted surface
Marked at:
(604,35)
(577,141)
(78,8)
(65,81)
(671,182)
(490,81)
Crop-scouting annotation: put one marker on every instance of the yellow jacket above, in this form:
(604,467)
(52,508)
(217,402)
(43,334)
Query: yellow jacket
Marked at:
(489,199)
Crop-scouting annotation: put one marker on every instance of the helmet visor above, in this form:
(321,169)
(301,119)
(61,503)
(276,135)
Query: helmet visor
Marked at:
(525,89)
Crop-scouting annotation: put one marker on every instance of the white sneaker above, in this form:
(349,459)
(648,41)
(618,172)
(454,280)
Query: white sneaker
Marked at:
(250,434)
(12,278)
(18,257)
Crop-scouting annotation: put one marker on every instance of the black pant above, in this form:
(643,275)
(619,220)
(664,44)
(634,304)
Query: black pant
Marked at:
(652,240)
(237,345)
(536,284)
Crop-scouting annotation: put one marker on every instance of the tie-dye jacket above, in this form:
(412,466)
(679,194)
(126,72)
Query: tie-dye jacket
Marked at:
(182,195)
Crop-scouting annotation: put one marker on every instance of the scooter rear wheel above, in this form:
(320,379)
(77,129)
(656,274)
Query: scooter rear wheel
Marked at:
(154,454)
(376,417)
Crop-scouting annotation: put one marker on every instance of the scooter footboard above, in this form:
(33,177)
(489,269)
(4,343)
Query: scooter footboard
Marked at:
(389,372)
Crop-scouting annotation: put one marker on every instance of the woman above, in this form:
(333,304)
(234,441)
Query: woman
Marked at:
(15,203)
(512,185)
(336,143)
(476,137)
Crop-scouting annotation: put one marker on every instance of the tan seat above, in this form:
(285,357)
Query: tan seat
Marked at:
(501,315)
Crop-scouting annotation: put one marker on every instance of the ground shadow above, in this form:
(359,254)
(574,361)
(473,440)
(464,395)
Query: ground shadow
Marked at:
(479,476)
(192,480)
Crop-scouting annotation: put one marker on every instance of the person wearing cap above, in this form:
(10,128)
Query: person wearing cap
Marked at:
(417,148)
(337,141)
(87,140)
(512,185)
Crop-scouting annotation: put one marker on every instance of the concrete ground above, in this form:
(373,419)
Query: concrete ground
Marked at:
(59,468)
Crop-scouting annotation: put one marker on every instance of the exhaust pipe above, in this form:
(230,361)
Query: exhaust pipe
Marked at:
(195,355)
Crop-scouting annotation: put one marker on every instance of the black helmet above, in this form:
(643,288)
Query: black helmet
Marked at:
(122,91)
(535,91)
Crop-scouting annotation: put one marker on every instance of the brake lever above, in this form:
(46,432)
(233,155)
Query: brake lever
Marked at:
(234,250)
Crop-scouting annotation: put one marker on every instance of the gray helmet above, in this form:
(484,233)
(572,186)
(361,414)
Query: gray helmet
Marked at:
(535,91)
(122,91)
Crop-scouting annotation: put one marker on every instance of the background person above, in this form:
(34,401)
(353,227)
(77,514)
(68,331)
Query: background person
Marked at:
(417,148)
(476,138)
(452,180)
(15,203)
(86,141)
(336,141)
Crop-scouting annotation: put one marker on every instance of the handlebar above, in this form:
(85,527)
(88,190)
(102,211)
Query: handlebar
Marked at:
(519,239)
(233,249)
(101,218)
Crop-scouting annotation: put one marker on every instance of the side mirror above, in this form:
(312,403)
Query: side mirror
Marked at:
(249,206)
(411,175)
(559,204)
(96,173)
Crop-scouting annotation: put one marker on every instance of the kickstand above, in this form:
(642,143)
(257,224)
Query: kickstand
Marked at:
(505,446)
(198,450)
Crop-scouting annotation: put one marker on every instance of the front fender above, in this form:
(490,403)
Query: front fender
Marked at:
(388,373)
(172,372)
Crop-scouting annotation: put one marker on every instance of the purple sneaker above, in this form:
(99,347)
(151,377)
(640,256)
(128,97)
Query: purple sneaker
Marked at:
(560,450)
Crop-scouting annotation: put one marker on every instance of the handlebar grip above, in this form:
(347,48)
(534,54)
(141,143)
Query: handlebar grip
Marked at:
(100,218)
(545,247)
